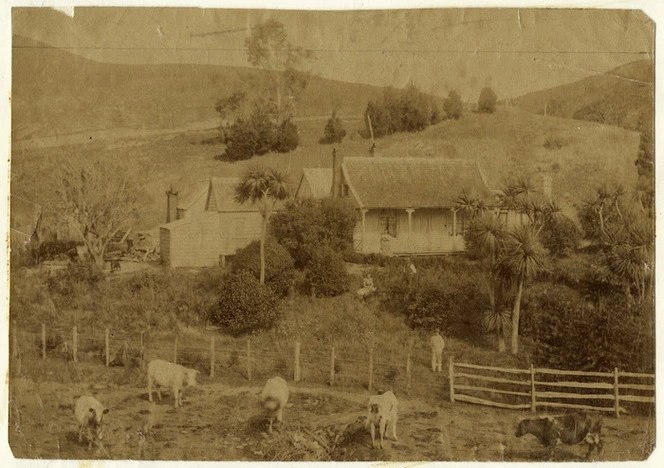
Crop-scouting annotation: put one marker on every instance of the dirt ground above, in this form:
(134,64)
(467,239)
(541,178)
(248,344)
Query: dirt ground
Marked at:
(222,422)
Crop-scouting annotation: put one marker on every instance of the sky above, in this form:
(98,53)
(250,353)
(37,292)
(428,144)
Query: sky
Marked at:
(514,51)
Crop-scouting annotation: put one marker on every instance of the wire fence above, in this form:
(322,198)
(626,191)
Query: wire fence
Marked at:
(378,367)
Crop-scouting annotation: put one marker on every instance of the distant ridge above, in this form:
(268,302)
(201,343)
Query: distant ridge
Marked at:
(57,92)
(623,96)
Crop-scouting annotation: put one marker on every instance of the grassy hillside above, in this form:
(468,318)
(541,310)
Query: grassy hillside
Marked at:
(55,92)
(579,155)
(623,96)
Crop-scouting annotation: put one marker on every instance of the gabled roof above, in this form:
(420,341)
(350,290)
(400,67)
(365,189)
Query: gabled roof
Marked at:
(413,182)
(318,180)
(192,196)
(24,215)
(221,196)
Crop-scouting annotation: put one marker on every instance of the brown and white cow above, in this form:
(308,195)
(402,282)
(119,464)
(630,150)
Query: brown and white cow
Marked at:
(569,429)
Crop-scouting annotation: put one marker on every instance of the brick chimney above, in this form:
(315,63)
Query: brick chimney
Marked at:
(171,205)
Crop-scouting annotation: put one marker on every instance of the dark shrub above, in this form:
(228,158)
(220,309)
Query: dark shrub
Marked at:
(569,333)
(452,106)
(560,236)
(305,226)
(399,110)
(326,272)
(245,306)
(334,131)
(278,264)
(487,101)
(54,250)
(286,138)
(242,141)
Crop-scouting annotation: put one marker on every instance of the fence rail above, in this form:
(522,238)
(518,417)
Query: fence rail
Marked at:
(540,394)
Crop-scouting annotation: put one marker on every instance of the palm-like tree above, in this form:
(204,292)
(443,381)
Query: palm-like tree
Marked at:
(265,187)
(499,322)
(519,261)
(486,233)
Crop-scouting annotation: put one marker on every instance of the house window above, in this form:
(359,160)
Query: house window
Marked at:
(388,224)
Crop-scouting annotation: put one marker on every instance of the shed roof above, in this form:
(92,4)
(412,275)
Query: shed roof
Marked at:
(413,182)
(24,215)
(221,197)
(192,195)
(319,181)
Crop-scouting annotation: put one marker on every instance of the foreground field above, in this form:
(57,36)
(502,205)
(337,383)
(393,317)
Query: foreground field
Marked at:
(224,422)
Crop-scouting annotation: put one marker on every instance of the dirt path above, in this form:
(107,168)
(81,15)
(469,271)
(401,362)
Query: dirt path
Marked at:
(221,422)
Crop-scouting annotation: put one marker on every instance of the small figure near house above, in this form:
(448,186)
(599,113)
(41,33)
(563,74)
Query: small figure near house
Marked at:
(437,346)
(410,268)
(367,288)
(386,243)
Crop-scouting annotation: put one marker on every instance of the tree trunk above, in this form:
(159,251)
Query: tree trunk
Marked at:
(516,311)
(262,249)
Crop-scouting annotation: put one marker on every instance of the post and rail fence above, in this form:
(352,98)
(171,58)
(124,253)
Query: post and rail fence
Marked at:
(536,388)
(519,389)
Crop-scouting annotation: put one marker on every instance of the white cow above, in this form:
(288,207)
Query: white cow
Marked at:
(90,414)
(382,411)
(170,375)
(275,396)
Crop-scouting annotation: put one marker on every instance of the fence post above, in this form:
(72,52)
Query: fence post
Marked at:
(371,356)
(108,349)
(43,341)
(451,372)
(616,391)
(142,356)
(212,357)
(332,366)
(74,343)
(175,350)
(408,377)
(296,369)
(249,359)
(533,400)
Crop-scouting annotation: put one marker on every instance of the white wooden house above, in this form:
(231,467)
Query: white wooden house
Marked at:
(208,226)
(407,205)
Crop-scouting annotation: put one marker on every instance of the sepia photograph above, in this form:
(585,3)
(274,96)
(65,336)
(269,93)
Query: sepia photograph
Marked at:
(375,235)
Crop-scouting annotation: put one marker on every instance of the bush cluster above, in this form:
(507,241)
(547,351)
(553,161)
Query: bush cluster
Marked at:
(560,236)
(334,131)
(306,225)
(407,110)
(245,306)
(487,101)
(260,133)
(55,250)
(569,333)
(326,272)
(279,268)
(453,106)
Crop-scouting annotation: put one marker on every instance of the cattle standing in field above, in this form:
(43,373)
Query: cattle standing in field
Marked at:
(570,429)
(90,414)
(382,411)
(275,396)
(169,375)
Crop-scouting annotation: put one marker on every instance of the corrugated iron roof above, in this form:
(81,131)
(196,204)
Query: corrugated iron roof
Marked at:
(319,181)
(413,182)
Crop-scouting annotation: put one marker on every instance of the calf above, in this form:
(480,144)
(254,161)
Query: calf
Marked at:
(570,429)
(275,396)
(169,375)
(90,414)
(382,410)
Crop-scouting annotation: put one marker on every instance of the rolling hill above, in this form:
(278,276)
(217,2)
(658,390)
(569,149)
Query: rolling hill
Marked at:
(623,96)
(55,92)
